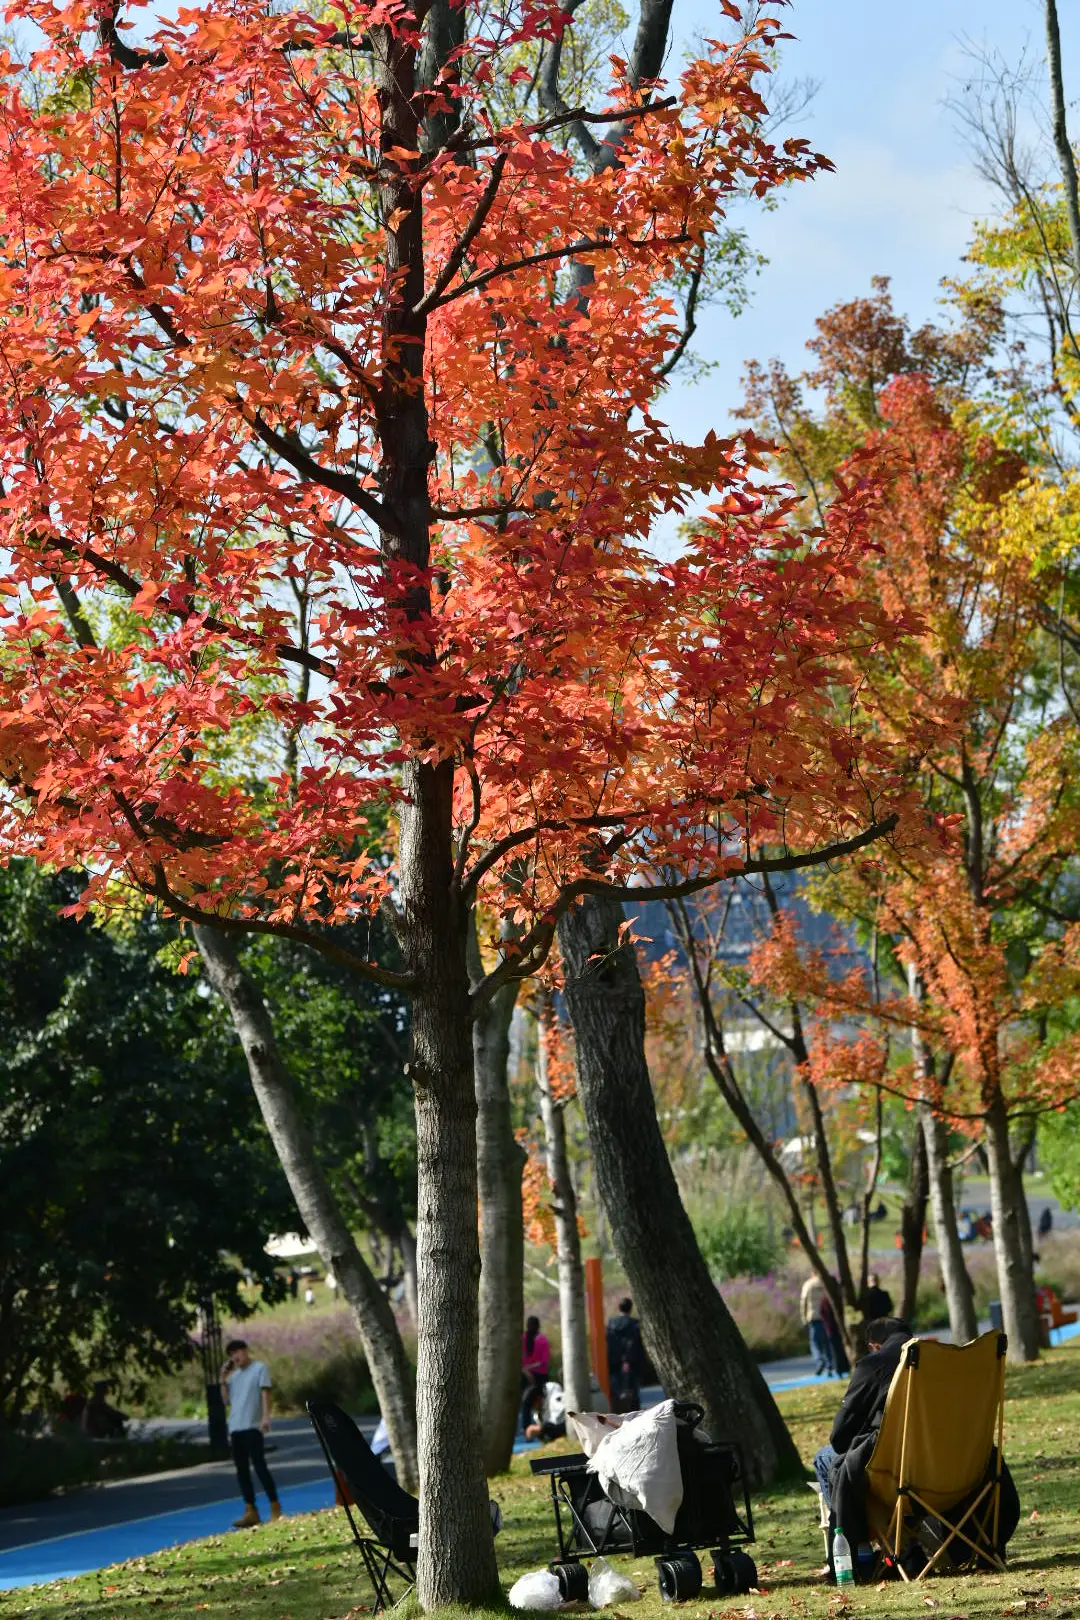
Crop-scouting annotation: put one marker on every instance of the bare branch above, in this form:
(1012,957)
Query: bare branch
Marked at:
(568,250)
(1061,135)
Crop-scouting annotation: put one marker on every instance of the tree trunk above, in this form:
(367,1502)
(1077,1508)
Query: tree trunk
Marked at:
(695,1345)
(959,1295)
(456,1562)
(1021,1152)
(572,1323)
(318,1208)
(499,1164)
(1015,1280)
(913,1222)
(407,1244)
(868,1197)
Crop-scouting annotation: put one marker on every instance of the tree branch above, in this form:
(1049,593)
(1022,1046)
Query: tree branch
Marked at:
(453,264)
(537,942)
(344,484)
(1061,135)
(258,925)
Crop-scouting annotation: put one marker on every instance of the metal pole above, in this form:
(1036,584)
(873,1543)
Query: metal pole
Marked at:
(594,1304)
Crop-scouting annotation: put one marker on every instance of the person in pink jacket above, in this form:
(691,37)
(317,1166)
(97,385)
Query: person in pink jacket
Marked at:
(535,1365)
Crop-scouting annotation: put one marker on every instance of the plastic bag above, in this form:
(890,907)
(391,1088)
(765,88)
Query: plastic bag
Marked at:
(593,1427)
(638,1465)
(608,1586)
(539,1589)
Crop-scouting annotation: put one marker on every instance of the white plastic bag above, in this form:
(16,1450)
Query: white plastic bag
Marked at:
(608,1586)
(638,1464)
(592,1427)
(539,1589)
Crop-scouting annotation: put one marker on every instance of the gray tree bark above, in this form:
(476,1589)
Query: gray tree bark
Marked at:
(1064,149)
(408,1266)
(1021,1148)
(315,1201)
(572,1321)
(695,1345)
(456,1562)
(1015,1280)
(959,1295)
(913,1221)
(499,1164)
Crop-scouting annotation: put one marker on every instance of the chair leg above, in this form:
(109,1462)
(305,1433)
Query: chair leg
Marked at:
(987,1550)
(376,1577)
(379,1562)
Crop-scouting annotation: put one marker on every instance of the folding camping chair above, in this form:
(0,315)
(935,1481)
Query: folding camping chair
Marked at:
(393,1516)
(934,1479)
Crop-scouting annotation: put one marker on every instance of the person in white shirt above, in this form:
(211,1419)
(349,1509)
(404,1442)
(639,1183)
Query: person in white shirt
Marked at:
(245,1389)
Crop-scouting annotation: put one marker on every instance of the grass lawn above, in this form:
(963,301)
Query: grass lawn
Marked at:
(305,1569)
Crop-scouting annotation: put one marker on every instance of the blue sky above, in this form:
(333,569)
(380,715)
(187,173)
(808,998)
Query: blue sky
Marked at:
(904,195)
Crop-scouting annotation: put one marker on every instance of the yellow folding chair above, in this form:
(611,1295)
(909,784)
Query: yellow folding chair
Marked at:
(944,1414)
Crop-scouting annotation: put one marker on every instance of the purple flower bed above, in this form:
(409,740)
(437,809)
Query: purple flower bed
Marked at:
(766,1312)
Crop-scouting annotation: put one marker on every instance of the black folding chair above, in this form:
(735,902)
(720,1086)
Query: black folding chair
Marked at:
(392,1515)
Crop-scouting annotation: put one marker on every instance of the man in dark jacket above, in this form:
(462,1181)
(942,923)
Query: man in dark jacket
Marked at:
(841,1465)
(875,1301)
(626,1358)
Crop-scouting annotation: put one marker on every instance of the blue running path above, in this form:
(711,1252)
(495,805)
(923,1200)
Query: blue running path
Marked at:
(57,1558)
(62,1556)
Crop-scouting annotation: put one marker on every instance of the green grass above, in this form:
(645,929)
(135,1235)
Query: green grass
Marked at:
(305,1569)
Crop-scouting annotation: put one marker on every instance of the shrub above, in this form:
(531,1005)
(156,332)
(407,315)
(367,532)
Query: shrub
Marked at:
(737,1242)
(33,1467)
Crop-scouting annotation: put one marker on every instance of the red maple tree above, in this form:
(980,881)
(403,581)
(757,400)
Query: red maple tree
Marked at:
(326,500)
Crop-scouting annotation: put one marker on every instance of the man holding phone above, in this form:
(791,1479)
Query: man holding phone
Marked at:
(245,1389)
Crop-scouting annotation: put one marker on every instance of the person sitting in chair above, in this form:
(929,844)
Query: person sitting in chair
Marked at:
(841,1465)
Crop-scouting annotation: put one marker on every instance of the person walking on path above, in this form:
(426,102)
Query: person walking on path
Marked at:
(810,1309)
(839,1364)
(245,1389)
(626,1358)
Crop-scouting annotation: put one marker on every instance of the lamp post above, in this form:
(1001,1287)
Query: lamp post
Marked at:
(210,1350)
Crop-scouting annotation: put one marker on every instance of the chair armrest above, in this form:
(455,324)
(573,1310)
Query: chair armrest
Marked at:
(551,1465)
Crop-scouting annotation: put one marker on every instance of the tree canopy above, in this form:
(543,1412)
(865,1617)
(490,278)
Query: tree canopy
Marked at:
(135,1175)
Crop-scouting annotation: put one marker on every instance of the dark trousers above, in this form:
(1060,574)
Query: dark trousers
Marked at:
(247,1450)
(532,1385)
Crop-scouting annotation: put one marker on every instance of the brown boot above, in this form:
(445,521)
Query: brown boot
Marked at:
(275,1511)
(249,1520)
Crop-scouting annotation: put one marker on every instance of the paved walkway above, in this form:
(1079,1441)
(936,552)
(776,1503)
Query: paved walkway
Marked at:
(103,1525)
